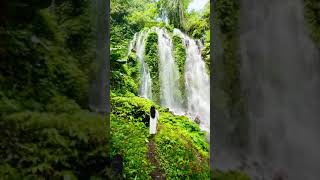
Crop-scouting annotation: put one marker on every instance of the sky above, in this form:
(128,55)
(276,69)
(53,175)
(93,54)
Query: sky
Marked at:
(197,5)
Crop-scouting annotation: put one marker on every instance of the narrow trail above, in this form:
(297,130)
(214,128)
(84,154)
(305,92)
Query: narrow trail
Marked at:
(157,173)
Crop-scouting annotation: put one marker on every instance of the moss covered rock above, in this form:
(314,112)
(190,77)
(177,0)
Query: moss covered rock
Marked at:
(152,60)
(179,52)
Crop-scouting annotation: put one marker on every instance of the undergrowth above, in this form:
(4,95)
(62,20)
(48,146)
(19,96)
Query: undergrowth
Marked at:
(181,147)
(53,145)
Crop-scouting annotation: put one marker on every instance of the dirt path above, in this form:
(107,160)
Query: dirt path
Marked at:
(157,173)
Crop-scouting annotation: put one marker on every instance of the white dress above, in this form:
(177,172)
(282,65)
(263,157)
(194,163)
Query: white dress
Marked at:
(153,123)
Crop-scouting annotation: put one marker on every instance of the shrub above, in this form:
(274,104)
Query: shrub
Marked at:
(42,145)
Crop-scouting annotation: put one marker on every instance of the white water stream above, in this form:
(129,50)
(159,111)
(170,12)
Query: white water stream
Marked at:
(197,83)
(168,74)
(138,43)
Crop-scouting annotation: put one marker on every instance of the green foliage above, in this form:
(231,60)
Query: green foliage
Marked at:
(312,16)
(8,105)
(61,104)
(125,74)
(198,27)
(144,16)
(152,60)
(206,51)
(182,148)
(174,10)
(179,52)
(128,17)
(134,67)
(198,23)
(131,108)
(41,145)
(129,138)
(49,56)
(180,144)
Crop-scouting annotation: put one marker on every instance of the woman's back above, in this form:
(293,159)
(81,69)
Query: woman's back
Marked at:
(154,115)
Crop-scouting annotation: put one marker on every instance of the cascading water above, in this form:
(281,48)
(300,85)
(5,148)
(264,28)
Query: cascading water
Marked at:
(168,74)
(280,72)
(197,83)
(138,43)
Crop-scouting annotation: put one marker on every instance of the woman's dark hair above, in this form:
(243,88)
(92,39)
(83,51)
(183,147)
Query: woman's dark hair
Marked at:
(153,111)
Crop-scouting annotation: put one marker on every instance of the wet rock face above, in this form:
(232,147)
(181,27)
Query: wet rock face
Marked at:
(280,70)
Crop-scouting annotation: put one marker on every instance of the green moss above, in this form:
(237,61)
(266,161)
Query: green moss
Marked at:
(179,52)
(152,60)
(312,16)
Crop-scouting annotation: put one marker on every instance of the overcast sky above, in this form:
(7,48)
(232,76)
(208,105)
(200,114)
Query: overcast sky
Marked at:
(197,5)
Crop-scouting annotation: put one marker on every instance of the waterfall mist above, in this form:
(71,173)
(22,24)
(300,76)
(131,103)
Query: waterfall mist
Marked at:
(280,73)
(138,43)
(169,74)
(197,82)
(99,88)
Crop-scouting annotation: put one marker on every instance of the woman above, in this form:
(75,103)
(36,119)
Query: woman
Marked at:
(154,116)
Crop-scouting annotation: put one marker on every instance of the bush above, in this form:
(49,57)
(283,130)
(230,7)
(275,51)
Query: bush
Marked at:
(182,148)
(130,140)
(42,145)
(8,105)
(60,104)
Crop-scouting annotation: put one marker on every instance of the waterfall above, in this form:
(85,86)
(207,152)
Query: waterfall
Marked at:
(197,83)
(138,43)
(168,74)
(280,71)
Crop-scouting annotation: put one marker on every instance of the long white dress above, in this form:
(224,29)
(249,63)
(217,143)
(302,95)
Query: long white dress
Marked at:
(153,123)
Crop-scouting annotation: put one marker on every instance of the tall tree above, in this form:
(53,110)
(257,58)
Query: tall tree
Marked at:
(174,11)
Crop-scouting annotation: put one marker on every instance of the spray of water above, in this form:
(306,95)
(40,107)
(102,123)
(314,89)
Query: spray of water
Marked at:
(280,71)
(197,83)
(138,43)
(168,74)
